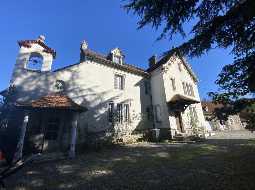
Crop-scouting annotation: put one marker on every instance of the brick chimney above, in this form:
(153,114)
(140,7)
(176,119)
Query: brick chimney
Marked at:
(152,61)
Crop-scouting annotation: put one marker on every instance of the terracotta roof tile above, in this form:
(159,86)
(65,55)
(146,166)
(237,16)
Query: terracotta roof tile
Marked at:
(210,107)
(56,101)
(105,60)
(27,43)
(165,59)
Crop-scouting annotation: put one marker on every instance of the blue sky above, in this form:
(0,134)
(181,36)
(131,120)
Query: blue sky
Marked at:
(103,24)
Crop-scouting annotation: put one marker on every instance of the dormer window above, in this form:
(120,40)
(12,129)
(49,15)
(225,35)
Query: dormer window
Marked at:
(117,56)
(35,62)
(117,59)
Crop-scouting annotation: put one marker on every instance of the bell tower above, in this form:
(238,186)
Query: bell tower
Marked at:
(34,57)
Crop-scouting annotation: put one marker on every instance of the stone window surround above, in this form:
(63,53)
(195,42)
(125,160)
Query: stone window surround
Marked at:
(173,83)
(188,89)
(158,113)
(122,81)
(31,56)
(121,109)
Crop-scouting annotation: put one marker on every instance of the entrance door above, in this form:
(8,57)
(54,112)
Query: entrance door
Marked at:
(51,134)
(179,122)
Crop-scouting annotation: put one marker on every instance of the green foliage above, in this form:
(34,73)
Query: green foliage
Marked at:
(196,129)
(217,24)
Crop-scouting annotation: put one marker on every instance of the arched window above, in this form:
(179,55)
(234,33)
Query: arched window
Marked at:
(35,62)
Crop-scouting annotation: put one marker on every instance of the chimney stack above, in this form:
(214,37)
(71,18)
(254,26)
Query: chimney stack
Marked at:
(84,45)
(152,61)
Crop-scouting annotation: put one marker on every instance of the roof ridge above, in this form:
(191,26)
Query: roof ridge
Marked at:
(27,43)
(106,57)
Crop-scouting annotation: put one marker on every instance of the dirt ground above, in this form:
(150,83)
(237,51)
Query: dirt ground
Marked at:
(225,161)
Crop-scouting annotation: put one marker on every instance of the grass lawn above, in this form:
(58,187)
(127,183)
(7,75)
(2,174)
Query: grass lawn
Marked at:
(214,164)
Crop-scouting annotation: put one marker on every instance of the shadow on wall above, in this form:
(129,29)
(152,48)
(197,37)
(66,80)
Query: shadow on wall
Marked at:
(32,85)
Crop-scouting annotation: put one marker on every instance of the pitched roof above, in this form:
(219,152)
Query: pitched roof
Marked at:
(89,54)
(105,60)
(165,59)
(55,101)
(182,98)
(27,44)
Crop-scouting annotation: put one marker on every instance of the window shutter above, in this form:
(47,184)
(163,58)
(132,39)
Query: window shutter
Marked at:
(173,84)
(123,83)
(187,89)
(192,91)
(158,113)
(184,87)
(111,112)
(126,112)
(115,82)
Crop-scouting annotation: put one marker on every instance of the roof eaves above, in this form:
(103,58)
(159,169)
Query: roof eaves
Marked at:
(166,58)
(27,43)
(104,60)
(67,67)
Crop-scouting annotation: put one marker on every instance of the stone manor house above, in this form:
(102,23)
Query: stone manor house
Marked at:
(99,93)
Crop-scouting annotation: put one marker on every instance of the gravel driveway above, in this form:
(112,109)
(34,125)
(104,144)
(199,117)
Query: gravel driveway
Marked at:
(243,134)
(225,161)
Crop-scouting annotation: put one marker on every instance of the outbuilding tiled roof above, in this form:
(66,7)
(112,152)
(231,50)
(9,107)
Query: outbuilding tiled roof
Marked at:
(55,101)
(210,107)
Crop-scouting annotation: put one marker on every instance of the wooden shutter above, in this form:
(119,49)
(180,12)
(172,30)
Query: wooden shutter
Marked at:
(122,82)
(115,81)
(158,113)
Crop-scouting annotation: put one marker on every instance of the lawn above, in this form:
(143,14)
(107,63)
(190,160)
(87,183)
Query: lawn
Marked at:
(213,164)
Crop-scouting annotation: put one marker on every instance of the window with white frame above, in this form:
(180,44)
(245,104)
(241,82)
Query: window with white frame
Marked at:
(158,113)
(147,87)
(184,88)
(188,89)
(149,113)
(126,112)
(119,82)
(111,112)
(122,113)
(180,66)
(192,90)
(193,112)
(173,84)
(119,113)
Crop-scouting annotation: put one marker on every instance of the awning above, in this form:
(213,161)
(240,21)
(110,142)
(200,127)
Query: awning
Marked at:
(180,102)
(56,101)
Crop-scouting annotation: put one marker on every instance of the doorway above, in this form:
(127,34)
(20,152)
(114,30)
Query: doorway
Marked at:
(179,123)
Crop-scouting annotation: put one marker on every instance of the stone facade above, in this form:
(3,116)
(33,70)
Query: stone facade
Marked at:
(176,71)
(233,122)
(106,85)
